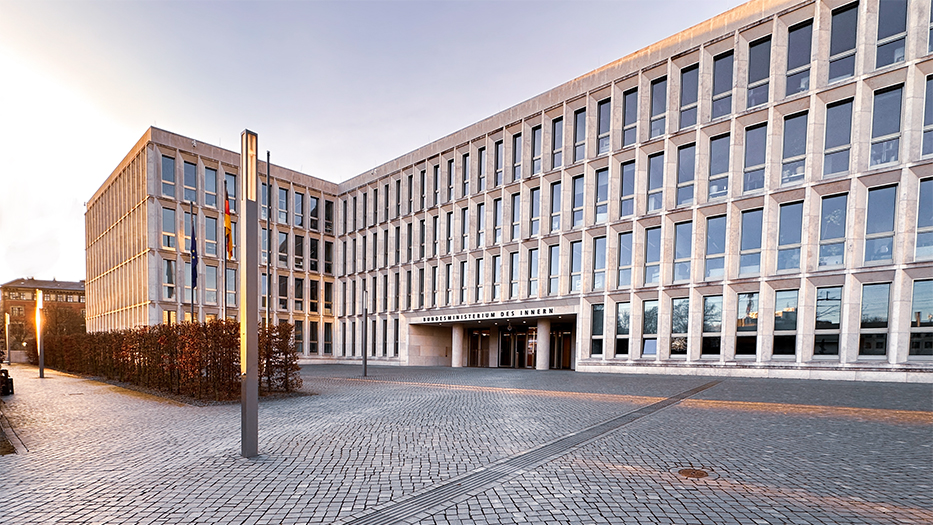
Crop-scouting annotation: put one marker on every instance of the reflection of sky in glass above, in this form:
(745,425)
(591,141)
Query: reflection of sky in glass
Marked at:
(712,314)
(651,317)
(922,310)
(875,302)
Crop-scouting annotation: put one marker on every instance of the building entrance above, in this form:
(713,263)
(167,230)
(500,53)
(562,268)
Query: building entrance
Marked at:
(479,348)
(518,349)
(561,347)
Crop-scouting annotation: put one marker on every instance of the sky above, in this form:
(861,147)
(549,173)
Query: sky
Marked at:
(332,88)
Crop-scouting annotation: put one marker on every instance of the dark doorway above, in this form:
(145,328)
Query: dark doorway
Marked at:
(561,347)
(479,348)
(517,348)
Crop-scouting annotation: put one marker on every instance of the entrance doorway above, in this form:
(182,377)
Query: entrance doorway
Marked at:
(518,349)
(479,348)
(561,347)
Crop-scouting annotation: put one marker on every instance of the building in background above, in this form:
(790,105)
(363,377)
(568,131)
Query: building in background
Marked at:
(753,195)
(63,305)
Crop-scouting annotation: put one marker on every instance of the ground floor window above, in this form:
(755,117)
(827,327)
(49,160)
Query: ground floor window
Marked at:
(874,324)
(921,320)
(623,315)
(597,340)
(712,326)
(650,329)
(680,322)
(746,340)
(828,316)
(785,323)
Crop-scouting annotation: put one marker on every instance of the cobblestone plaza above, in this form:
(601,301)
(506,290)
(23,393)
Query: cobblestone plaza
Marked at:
(442,445)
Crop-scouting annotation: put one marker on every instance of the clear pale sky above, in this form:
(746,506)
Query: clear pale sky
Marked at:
(332,88)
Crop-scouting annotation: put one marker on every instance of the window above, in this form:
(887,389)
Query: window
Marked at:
(168,228)
(513,275)
(722,85)
(785,323)
(602,195)
(653,255)
(925,221)
(833,231)
(186,231)
(497,220)
(928,117)
(283,206)
(420,288)
(230,286)
(210,284)
(168,280)
(689,87)
(686,167)
(407,290)
(789,236)
(603,121)
(683,250)
(434,286)
(650,329)
(719,166)
(750,255)
(448,276)
(553,269)
(191,182)
(464,232)
(579,135)
(577,201)
(535,210)
(480,174)
(480,225)
(436,185)
(210,187)
(168,177)
(759,71)
(450,181)
(465,172)
(715,247)
(500,159)
(596,348)
(712,325)
(300,210)
(517,156)
(421,234)
(627,191)
(516,216)
(300,295)
(873,336)
(658,106)
(886,126)
(680,323)
(629,118)
(921,320)
(746,324)
(264,204)
(842,42)
(879,224)
(450,229)
(313,337)
(576,266)
(892,32)
(756,138)
(838,138)
(795,148)
(533,273)
(623,321)
(463,281)
(536,150)
(422,188)
(283,250)
(555,207)
(625,259)
(557,143)
(799,40)
(313,295)
(599,263)
(434,228)
(328,257)
(409,238)
(656,182)
(328,214)
(230,189)
(496,277)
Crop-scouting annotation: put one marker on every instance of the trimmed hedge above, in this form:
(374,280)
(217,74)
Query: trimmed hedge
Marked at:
(198,360)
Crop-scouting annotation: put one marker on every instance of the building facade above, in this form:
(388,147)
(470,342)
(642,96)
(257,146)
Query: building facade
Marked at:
(63,304)
(752,196)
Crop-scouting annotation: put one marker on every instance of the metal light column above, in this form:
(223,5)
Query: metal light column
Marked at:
(365,322)
(6,334)
(249,295)
(39,334)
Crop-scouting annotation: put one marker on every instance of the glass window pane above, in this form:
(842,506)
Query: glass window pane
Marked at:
(712,313)
(881,208)
(719,155)
(652,245)
(755,144)
(759,60)
(623,315)
(651,317)
(625,249)
(785,310)
(833,219)
(658,97)
(799,39)
(925,208)
(892,18)
(875,305)
(886,116)
(751,230)
(716,235)
(921,312)
(683,238)
(722,74)
(791,223)
(844,30)
(655,171)
(795,136)
(828,308)
(747,319)
(686,163)
(838,125)
(598,319)
(688,85)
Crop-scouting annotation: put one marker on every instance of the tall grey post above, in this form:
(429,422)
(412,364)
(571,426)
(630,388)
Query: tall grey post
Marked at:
(249,295)
(6,334)
(39,333)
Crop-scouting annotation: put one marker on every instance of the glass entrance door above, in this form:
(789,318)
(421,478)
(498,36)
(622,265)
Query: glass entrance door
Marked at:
(479,348)
(561,348)
(517,349)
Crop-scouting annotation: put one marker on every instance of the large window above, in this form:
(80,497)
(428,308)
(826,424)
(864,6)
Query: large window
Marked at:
(750,255)
(683,250)
(759,71)
(928,118)
(828,317)
(598,319)
(719,166)
(191,182)
(535,211)
(838,138)
(625,259)
(480,274)
(623,322)
(553,269)
(579,135)
(756,139)
(300,209)
(689,84)
(168,177)
(557,143)
(833,231)
(497,220)
(789,236)
(577,202)
(892,32)
(886,126)
(283,206)
(168,228)
(480,225)
(712,325)
(603,112)
(795,148)
(627,190)
(925,221)
(686,168)
(496,277)
(533,273)
(785,323)
(465,180)
(480,172)
(629,118)
(879,225)
(536,150)
(168,280)
(658,106)
(210,187)
(655,182)
(650,329)
(653,255)
(513,275)
(722,85)
(799,41)
(874,325)
(602,195)
(210,285)
(516,216)
(517,156)
(599,263)
(680,323)
(746,325)
(921,320)
(576,266)
(842,42)
(715,247)
(500,163)
(555,206)
(230,285)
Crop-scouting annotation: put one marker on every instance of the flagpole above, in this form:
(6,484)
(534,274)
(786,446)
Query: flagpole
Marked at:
(268,243)
(223,278)
(194,258)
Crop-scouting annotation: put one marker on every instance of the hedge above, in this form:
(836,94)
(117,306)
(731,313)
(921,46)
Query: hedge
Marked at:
(197,360)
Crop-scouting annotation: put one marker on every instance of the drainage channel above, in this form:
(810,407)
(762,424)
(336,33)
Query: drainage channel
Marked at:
(406,509)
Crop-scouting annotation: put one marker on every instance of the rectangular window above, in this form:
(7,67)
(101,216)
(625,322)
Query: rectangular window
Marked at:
(892,32)
(450,181)
(187,231)
(283,206)
(516,216)
(408,289)
(420,287)
(924,248)
(579,135)
(230,285)
(599,263)
(533,273)
(210,187)
(436,186)
(576,266)
(328,338)
(555,207)
(886,126)
(629,118)
(649,329)
(602,195)
(480,173)
(879,224)
(535,210)
(497,221)
(264,203)
(434,229)
(480,225)
(553,269)
(187,298)
(712,325)
(759,71)
(596,348)
(873,336)
(313,296)
(434,286)
(715,247)
(658,106)
(756,138)
(422,188)
(300,294)
(168,280)
(789,236)
(328,257)
(689,88)
(833,231)
(627,190)
(328,214)
(513,275)
(230,189)
(625,259)
(928,118)
(843,38)
(795,148)
(557,143)
(210,285)
(500,160)
(838,138)
(799,56)
(450,231)
(283,250)
(536,150)
(577,201)
(463,281)
(517,156)
(168,228)
(680,324)
(722,85)
(465,172)
(655,182)
(750,254)
(623,322)
(300,210)
(464,231)
(409,239)
(421,234)
(168,177)
(496,277)
(652,255)
(191,182)
(683,250)
(785,323)
(448,283)
(265,246)
(746,318)
(719,166)
(686,167)
(921,320)
(603,121)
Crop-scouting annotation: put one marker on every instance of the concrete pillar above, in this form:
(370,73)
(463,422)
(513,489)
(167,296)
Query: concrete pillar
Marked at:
(456,353)
(543,355)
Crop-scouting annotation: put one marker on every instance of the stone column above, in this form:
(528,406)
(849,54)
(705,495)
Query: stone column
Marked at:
(543,355)
(456,353)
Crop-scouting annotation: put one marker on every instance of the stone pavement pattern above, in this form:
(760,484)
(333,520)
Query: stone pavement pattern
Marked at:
(779,451)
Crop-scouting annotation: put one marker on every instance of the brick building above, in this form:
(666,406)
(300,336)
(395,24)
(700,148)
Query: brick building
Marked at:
(60,298)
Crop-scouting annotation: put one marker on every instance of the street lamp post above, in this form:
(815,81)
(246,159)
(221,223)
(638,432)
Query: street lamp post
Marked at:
(249,296)
(6,334)
(39,334)
(365,322)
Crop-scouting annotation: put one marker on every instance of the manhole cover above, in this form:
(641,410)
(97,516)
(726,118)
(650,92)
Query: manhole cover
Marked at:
(693,473)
